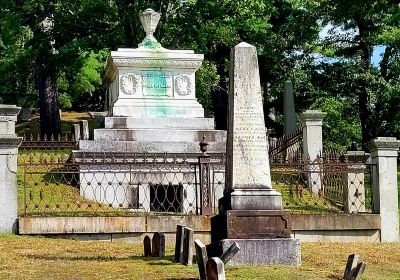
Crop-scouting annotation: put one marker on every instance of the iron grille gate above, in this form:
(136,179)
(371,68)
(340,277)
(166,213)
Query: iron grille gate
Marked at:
(55,182)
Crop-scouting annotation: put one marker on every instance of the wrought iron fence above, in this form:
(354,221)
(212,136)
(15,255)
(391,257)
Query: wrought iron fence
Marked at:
(56,182)
(288,146)
(332,183)
(48,142)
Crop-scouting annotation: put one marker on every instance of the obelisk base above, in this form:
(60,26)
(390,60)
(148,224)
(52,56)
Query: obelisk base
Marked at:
(275,251)
(251,199)
(263,237)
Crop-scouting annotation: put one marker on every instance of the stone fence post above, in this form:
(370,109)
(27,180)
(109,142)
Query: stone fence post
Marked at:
(9,143)
(311,121)
(354,181)
(384,152)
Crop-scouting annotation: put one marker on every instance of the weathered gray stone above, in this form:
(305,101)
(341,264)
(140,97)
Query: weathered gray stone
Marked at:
(84,129)
(264,251)
(384,154)
(248,180)
(9,143)
(25,114)
(311,121)
(358,271)
(289,112)
(99,117)
(230,252)
(202,258)
(352,262)
(76,131)
(158,245)
(159,123)
(8,118)
(149,146)
(215,269)
(147,246)
(179,243)
(162,135)
(188,245)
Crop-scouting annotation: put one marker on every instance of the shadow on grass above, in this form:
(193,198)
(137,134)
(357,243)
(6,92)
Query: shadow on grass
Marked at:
(180,278)
(149,260)
(335,277)
(163,261)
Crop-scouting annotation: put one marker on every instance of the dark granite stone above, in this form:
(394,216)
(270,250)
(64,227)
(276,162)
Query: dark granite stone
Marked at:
(147,246)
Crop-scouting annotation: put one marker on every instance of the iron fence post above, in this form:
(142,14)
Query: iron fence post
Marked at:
(204,175)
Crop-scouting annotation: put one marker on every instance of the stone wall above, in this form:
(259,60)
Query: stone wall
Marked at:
(306,227)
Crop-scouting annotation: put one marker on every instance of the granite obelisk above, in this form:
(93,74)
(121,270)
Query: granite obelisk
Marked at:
(289,111)
(248,179)
(250,212)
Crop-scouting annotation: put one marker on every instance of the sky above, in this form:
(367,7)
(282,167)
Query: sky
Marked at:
(377,52)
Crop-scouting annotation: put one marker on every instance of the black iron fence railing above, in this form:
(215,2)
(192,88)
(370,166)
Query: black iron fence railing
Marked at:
(49,142)
(57,182)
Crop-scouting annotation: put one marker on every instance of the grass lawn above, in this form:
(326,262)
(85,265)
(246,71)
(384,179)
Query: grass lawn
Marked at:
(67,119)
(42,258)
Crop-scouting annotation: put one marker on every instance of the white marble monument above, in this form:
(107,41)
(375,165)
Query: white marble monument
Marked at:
(152,81)
(152,109)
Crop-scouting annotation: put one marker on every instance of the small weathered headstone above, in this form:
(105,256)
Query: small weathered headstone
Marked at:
(215,269)
(76,131)
(158,245)
(179,244)
(352,262)
(202,258)
(358,271)
(84,129)
(188,246)
(25,114)
(230,252)
(147,246)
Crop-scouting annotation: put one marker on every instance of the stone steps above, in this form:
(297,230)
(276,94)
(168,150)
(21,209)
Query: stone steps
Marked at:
(160,135)
(163,123)
(148,146)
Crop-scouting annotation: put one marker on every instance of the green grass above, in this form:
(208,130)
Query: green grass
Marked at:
(67,119)
(41,258)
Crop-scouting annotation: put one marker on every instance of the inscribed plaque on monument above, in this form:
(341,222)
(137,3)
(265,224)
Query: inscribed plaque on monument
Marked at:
(157,83)
(247,150)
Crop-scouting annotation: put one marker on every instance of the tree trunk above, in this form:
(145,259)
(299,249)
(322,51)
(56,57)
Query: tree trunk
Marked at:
(50,123)
(368,123)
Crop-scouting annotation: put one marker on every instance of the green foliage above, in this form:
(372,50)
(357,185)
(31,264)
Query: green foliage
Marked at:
(207,79)
(65,101)
(339,122)
(362,100)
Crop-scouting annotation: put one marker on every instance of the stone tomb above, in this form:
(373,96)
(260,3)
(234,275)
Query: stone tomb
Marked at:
(152,108)
(250,210)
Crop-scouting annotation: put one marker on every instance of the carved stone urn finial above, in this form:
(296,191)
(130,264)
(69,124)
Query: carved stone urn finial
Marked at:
(149,19)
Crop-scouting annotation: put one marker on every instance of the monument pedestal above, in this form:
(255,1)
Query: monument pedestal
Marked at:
(266,251)
(250,224)
(263,237)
